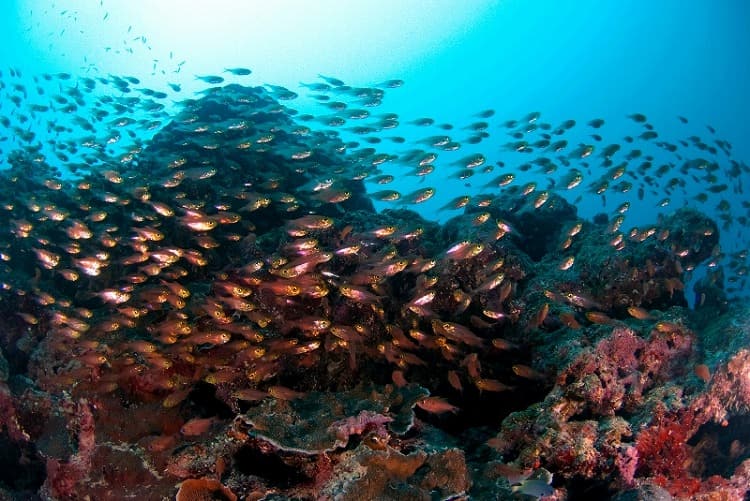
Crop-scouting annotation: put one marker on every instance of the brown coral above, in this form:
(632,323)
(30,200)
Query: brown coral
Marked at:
(204,489)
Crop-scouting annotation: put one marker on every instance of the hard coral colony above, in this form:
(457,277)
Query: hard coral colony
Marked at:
(220,312)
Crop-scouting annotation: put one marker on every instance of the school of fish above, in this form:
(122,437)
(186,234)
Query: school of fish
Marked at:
(234,241)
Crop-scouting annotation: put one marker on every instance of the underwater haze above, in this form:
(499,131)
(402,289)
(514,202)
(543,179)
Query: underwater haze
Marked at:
(374,249)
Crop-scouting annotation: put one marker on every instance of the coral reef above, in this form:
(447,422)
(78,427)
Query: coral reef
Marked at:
(224,315)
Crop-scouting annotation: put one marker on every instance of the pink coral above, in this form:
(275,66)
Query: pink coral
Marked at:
(627,464)
(607,378)
(357,425)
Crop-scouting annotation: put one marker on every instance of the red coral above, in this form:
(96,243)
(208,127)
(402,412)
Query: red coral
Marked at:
(662,449)
(682,488)
(665,455)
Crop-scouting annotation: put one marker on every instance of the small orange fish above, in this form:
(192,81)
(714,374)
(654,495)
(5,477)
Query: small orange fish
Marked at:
(359,295)
(491,385)
(538,319)
(161,443)
(456,332)
(473,366)
(436,405)
(667,327)
(567,263)
(490,283)
(527,372)
(464,250)
(249,394)
(398,378)
(29,319)
(47,259)
(311,222)
(457,203)
(196,427)
(566,244)
(639,313)
(597,317)
(569,320)
(455,381)
(503,344)
(199,224)
(213,337)
(703,372)
(284,393)
(384,231)
(174,399)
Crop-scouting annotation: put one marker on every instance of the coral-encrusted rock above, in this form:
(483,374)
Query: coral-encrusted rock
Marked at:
(738,382)
(726,334)
(600,383)
(621,368)
(601,380)
(64,477)
(321,422)
(125,473)
(645,492)
(365,473)
(8,416)
(347,445)
(630,410)
(446,473)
